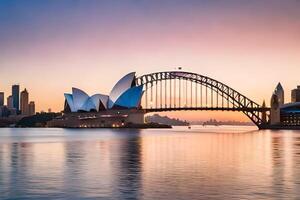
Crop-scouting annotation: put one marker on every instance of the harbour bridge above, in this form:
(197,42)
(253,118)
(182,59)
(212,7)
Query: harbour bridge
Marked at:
(179,90)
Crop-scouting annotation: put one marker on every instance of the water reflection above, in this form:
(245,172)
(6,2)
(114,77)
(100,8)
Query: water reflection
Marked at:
(149,164)
(278,165)
(130,166)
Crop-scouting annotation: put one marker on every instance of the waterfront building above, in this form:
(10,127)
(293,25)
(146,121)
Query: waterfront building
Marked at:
(285,114)
(290,114)
(4,112)
(119,108)
(31,108)
(24,102)
(10,102)
(8,112)
(16,97)
(124,95)
(295,96)
(1,110)
(1,98)
(102,119)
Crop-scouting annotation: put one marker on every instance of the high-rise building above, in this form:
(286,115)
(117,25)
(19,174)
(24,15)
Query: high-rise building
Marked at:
(296,94)
(31,108)
(16,96)
(10,102)
(279,92)
(24,102)
(277,100)
(1,98)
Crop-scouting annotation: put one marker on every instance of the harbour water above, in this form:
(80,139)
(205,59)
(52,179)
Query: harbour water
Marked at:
(198,163)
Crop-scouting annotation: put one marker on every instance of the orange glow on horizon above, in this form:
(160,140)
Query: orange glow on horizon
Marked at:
(248,52)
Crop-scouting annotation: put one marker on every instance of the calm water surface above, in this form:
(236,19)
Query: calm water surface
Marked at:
(201,163)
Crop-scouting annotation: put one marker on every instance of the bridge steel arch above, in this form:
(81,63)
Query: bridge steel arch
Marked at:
(230,99)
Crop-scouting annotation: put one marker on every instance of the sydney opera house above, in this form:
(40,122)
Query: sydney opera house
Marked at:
(119,108)
(124,95)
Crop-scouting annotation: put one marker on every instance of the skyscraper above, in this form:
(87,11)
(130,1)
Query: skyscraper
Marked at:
(24,102)
(277,100)
(279,92)
(10,102)
(1,98)
(16,96)
(31,108)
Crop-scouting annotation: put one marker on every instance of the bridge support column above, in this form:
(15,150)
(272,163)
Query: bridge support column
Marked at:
(275,111)
(264,114)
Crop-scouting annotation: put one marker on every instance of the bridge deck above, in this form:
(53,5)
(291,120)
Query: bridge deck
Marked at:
(206,108)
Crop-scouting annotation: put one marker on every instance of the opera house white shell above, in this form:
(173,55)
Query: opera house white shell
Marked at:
(124,95)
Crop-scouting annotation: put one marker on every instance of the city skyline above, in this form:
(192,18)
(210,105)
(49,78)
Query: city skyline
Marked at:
(51,53)
(16,103)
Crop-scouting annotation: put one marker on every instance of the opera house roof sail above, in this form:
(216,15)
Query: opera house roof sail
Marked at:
(124,95)
(120,87)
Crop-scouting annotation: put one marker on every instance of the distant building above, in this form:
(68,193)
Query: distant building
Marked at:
(296,94)
(12,112)
(1,98)
(10,102)
(280,93)
(31,108)
(285,114)
(290,114)
(277,100)
(16,97)
(24,102)
(4,112)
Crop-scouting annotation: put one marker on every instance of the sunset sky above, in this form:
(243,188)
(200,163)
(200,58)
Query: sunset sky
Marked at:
(50,46)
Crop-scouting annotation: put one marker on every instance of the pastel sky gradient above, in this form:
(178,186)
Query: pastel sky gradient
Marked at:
(50,46)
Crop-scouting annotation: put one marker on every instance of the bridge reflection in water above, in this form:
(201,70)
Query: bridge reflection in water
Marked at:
(178,90)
